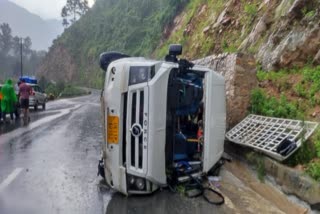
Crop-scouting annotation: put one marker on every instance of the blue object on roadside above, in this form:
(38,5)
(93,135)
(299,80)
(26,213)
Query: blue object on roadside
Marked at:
(28,79)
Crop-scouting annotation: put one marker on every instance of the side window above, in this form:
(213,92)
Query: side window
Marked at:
(39,89)
(35,88)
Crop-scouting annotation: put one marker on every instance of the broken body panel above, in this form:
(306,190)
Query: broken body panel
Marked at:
(138,110)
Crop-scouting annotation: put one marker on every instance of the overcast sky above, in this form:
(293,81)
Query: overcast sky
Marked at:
(47,9)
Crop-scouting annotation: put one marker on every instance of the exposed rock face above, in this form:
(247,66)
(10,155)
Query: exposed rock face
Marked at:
(294,49)
(279,33)
(294,41)
(239,71)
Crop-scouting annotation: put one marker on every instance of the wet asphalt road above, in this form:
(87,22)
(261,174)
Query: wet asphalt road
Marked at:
(50,166)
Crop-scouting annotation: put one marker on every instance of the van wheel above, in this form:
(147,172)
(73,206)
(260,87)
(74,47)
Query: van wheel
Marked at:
(44,106)
(36,106)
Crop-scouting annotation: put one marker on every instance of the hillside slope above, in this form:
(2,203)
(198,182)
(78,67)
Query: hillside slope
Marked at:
(23,24)
(279,33)
(134,27)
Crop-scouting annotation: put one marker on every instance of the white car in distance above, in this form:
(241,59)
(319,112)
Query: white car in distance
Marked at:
(38,97)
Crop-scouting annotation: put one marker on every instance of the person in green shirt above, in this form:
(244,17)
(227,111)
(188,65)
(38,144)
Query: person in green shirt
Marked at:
(9,99)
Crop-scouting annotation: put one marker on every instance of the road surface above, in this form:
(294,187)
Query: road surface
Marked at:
(50,166)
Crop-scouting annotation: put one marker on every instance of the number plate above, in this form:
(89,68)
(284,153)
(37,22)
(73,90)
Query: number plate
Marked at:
(113,130)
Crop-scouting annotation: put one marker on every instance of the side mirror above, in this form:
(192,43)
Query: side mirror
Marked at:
(175,49)
(107,57)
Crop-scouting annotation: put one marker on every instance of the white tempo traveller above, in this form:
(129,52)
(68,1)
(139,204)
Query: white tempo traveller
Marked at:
(159,116)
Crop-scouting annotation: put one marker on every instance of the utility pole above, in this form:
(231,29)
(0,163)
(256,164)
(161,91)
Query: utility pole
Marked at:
(21,64)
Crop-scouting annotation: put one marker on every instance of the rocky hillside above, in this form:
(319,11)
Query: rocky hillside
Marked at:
(279,33)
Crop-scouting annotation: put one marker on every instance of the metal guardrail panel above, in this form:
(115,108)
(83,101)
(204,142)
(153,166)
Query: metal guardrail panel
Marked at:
(266,133)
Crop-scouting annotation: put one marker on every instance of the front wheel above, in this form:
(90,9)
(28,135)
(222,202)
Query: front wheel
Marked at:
(44,106)
(101,169)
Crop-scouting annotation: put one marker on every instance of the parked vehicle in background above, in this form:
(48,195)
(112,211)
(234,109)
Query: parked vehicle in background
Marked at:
(38,97)
(0,101)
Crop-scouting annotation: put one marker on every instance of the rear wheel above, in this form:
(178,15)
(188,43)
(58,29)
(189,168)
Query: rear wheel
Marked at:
(36,106)
(43,106)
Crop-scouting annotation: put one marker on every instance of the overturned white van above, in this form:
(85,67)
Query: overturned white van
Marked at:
(157,115)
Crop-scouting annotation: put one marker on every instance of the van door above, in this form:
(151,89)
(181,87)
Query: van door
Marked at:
(215,119)
(137,134)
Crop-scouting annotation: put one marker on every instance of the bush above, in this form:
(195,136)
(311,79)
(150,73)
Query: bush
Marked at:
(251,9)
(303,156)
(62,90)
(316,140)
(271,106)
(300,90)
(313,169)
(72,91)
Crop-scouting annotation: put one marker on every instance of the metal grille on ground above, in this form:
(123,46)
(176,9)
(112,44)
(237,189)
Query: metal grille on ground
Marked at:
(276,137)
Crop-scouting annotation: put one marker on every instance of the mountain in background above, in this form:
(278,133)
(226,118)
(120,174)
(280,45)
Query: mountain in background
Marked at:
(23,23)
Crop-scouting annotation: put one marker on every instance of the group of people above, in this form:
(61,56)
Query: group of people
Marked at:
(11,100)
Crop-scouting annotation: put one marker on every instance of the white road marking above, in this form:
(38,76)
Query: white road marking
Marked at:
(10,178)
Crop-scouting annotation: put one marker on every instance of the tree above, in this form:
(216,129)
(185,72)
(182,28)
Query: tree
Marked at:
(16,46)
(73,10)
(27,46)
(5,38)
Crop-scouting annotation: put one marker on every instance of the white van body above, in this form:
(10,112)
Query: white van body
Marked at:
(136,118)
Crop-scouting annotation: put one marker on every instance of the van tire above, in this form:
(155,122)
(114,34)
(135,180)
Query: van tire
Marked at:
(44,106)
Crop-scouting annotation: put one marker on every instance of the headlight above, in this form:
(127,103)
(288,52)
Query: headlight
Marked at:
(140,184)
(136,183)
(139,74)
(131,180)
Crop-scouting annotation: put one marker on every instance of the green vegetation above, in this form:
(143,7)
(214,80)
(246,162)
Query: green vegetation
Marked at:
(133,27)
(303,156)
(297,99)
(190,30)
(308,13)
(61,90)
(261,169)
(258,161)
(313,169)
(263,104)
(251,9)
(72,10)
(72,91)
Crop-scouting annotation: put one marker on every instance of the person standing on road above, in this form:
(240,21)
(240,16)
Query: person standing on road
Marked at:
(0,106)
(24,92)
(9,99)
(17,104)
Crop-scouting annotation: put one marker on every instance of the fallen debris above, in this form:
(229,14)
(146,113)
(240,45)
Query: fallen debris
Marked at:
(276,137)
